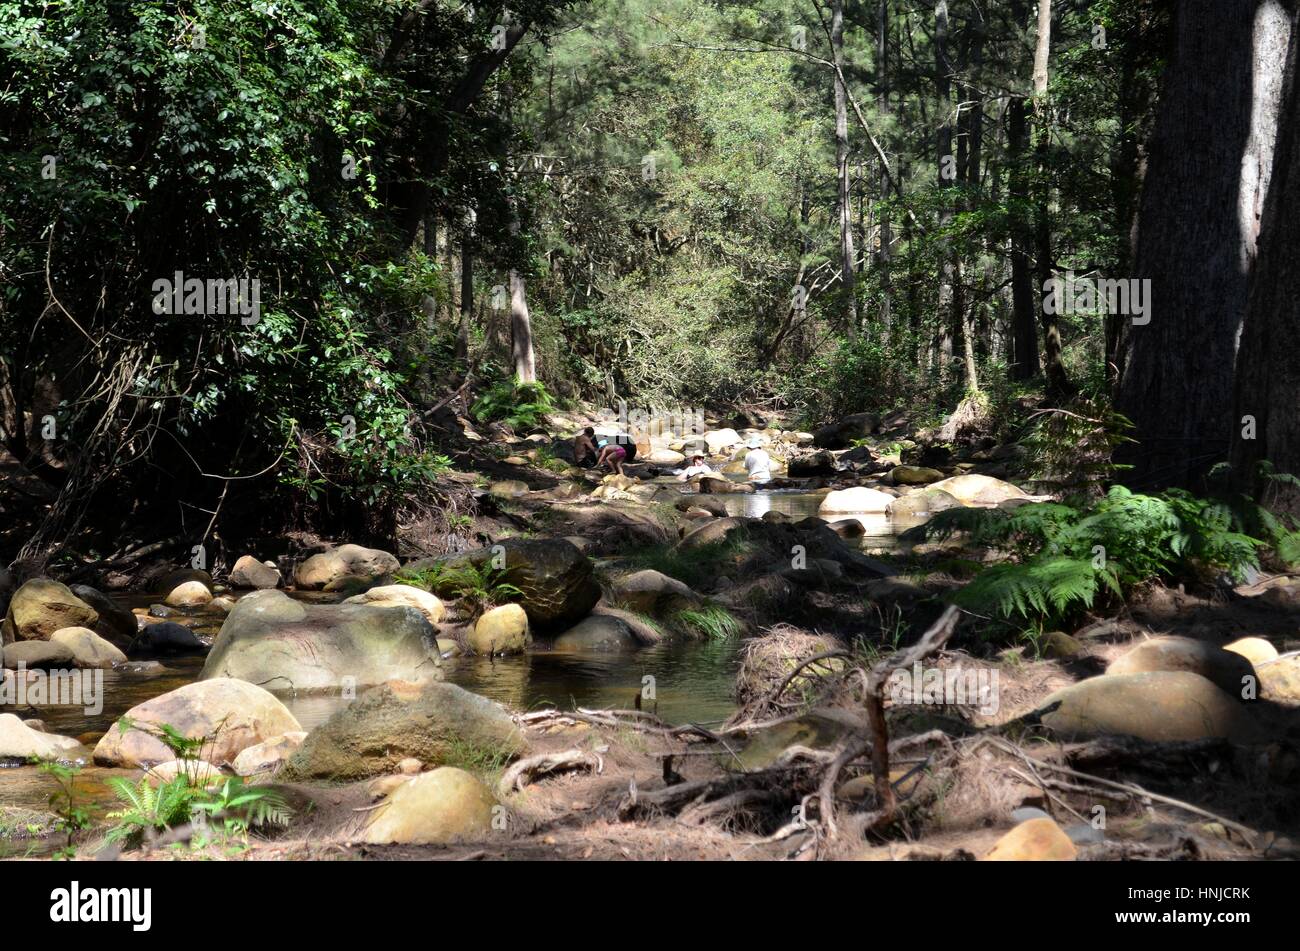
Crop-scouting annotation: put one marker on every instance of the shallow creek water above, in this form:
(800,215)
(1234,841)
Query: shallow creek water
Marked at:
(693,681)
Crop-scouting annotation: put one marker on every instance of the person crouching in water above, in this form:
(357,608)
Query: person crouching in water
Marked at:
(613,455)
(758,464)
(697,468)
(585,452)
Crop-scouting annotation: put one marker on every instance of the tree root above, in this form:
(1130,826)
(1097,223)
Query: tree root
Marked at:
(527,770)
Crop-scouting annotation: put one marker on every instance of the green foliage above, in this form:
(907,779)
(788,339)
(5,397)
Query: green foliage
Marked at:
(224,808)
(479,587)
(711,621)
(1071,450)
(148,808)
(1065,557)
(72,818)
(519,405)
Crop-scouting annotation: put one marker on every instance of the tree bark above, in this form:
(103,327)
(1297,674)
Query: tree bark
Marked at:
(1210,164)
(884,255)
(1268,364)
(848,278)
(949,301)
(1024,304)
(466,301)
(1058,385)
(521,331)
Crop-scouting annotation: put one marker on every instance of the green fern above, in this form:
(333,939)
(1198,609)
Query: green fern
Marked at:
(1063,557)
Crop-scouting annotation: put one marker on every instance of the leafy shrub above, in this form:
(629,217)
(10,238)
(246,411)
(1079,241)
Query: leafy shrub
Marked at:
(478,586)
(234,806)
(518,405)
(1063,557)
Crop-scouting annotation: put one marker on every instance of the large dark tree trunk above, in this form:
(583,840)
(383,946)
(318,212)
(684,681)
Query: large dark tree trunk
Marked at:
(1210,163)
(1268,364)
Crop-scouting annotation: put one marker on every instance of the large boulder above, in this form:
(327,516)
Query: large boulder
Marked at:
(816,464)
(251,573)
(600,632)
(918,505)
(1034,840)
(402,596)
(860,498)
(440,806)
(41,607)
(320,570)
(557,581)
(1279,680)
(714,532)
(271,639)
(231,715)
(19,743)
(116,623)
(914,475)
(665,457)
(502,630)
(88,649)
(1163,706)
(654,593)
(1229,670)
(38,655)
(842,434)
(437,723)
(973,489)
(267,756)
(165,637)
(1255,649)
(719,440)
(188,594)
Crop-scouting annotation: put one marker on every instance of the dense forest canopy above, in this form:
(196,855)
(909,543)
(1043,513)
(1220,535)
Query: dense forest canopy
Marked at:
(823,208)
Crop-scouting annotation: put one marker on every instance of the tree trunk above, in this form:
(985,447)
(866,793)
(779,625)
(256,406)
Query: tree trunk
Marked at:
(1024,303)
(949,301)
(848,278)
(466,302)
(1058,385)
(521,331)
(1268,364)
(883,256)
(1210,163)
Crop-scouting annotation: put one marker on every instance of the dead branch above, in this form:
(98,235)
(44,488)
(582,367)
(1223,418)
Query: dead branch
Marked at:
(878,741)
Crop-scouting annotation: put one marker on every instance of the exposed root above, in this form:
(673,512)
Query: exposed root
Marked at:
(526,770)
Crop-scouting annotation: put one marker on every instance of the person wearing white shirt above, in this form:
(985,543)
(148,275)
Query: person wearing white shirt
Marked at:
(758,464)
(698,467)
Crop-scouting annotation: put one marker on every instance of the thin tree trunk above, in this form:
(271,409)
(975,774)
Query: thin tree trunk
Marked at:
(1058,384)
(521,331)
(466,301)
(884,255)
(848,278)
